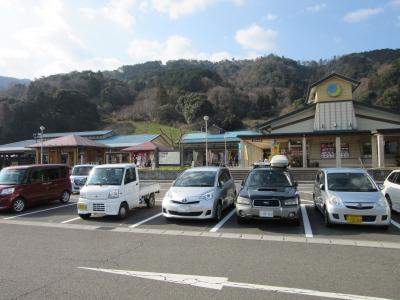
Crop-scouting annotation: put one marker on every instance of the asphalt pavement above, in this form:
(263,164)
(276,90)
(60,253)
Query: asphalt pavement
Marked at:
(45,253)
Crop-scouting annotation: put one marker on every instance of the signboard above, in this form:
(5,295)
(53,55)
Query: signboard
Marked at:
(328,150)
(169,158)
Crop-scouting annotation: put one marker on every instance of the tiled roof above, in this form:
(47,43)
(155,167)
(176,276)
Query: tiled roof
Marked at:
(69,141)
(229,136)
(123,141)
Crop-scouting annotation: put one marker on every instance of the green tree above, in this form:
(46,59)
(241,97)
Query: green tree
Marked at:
(193,106)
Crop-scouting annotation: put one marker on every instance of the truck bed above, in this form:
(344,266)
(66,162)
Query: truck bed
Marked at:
(148,188)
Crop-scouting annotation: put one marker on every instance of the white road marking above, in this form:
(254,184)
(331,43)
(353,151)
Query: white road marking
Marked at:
(70,220)
(202,234)
(38,211)
(218,283)
(395,223)
(306,222)
(223,221)
(145,220)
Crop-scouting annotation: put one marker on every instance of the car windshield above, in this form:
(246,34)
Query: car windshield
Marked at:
(82,171)
(269,178)
(12,176)
(196,178)
(350,182)
(106,176)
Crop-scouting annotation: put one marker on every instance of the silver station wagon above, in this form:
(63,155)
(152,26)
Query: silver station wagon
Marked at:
(350,196)
(200,193)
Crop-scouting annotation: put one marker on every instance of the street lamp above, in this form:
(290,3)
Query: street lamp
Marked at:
(42,128)
(206,118)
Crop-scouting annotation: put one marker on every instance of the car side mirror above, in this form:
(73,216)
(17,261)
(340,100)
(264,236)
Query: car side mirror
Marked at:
(322,186)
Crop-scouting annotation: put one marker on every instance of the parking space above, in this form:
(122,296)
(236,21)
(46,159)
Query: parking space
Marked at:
(311,224)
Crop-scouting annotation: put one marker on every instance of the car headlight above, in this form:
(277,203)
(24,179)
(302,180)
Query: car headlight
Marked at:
(333,200)
(207,196)
(167,196)
(243,200)
(382,202)
(7,191)
(291,201)
(113,194)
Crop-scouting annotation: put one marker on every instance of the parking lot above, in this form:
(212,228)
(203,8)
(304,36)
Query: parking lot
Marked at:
(151,221)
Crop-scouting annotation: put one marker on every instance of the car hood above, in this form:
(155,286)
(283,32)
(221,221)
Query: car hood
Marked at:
(279,192)
(179,193)
(4,186)
(358,197)
(98,192)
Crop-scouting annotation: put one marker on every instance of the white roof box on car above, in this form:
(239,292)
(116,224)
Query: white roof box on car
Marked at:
(280,161)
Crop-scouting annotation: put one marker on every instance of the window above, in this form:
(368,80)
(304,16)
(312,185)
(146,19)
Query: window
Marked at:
(129,175)
(223,177)
(38,175)
(133,174)
(367,150)
(392,177)
(398,178)
(53,173)
(390,147)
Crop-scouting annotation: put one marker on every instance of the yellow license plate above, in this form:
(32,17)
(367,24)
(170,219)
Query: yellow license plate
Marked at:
(354,219)
(82,206)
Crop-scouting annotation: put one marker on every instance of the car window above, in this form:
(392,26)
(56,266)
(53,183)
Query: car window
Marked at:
(223,177)
(52,173)
(13,176)
(38,175)
(392,177)
(106,176)
(196,178)
(398,178)
(269,178)
(350,182)
(81,170)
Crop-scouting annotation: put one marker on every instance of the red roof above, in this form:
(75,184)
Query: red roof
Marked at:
(147,146)
(70,141)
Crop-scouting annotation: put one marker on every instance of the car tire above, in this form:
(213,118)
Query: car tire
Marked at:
(241,220)
(123,211)
(389,201)
(218,212)
(65,197)
(85,216)
(327,221)
(151,202)
(18,205)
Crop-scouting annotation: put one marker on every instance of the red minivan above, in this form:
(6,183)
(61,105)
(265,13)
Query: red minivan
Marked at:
(21,186)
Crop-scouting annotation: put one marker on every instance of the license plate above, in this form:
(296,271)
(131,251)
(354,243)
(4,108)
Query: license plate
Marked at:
(354,219)
(184,208)
(266,214)
(82,206)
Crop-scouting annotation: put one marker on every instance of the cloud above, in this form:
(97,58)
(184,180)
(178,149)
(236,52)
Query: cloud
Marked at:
(178,8)
(317,7)
(173,48)
(271,17)
(394,3)
(361,14)
(257,38)
(115,11)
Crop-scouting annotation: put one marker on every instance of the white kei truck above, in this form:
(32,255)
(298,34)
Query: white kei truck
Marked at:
(114,189)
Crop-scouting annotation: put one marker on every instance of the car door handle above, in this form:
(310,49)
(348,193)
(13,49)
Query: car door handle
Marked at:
(46,183)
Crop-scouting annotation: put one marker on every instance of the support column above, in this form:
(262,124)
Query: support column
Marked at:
(338,151)
(374,151)
(381,150)
(304,150)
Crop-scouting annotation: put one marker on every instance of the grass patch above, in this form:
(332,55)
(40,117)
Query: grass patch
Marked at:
(157,128)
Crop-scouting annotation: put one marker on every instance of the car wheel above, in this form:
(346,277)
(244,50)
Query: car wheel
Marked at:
(151,201)
(295,222)
(241,220)
(123,211)
(18,205)
(327,221)
(65,197)
(85,216)
(218,212)
(389,201)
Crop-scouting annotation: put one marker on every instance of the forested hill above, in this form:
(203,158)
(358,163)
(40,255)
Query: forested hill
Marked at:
(181,92)
(7,82)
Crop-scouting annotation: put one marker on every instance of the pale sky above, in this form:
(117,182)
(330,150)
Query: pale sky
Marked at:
(40,38)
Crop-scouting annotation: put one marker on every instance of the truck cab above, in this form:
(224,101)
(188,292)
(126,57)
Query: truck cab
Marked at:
(114,189)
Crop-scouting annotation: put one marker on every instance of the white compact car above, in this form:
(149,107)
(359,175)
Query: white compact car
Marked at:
(391,190)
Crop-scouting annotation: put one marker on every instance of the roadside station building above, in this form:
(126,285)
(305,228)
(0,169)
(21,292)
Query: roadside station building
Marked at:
(331,130)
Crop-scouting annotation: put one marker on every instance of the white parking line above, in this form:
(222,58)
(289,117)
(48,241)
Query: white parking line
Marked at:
(145,220)
(306,222)
(223,221)
(38,211)
(70,220)
(395,223)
